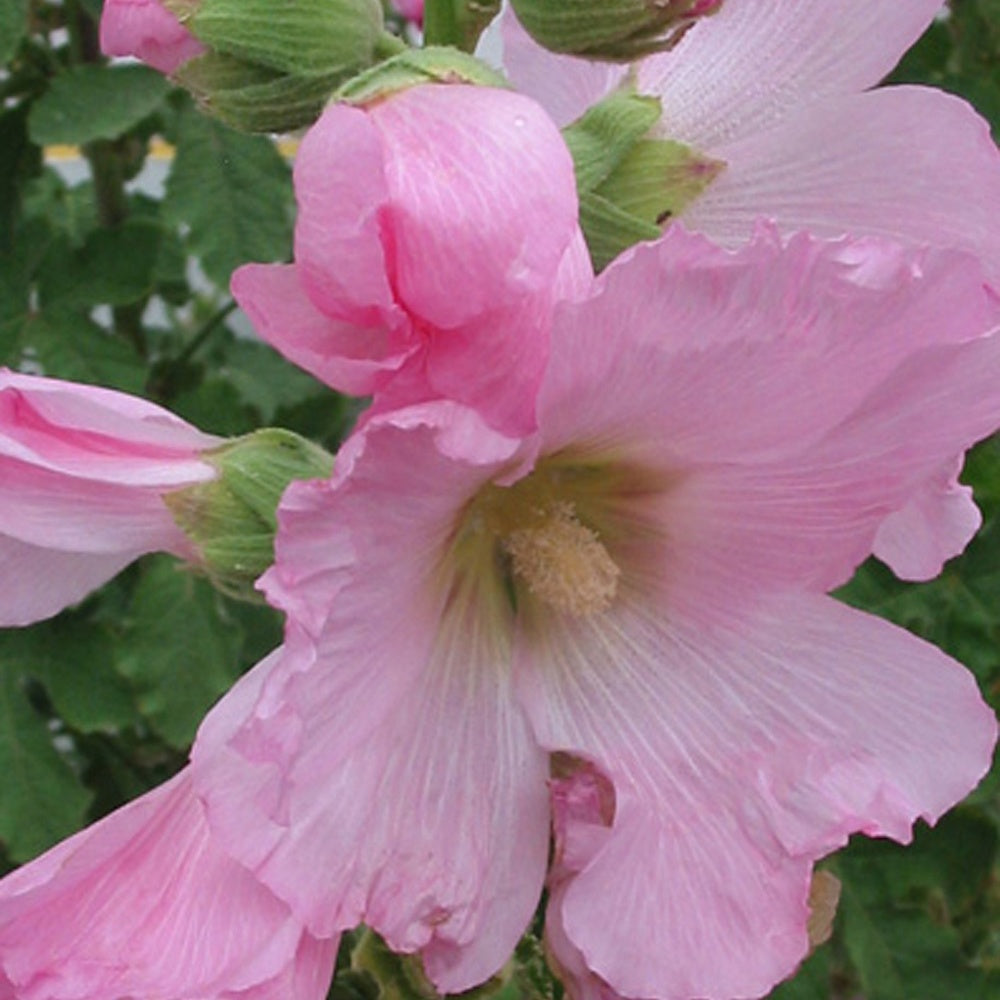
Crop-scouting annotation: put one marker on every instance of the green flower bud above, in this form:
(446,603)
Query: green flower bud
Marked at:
(630,184)
(271,67)
(616,30)
(416,66)
(231,519)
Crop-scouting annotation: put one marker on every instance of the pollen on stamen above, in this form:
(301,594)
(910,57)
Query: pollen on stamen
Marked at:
(564,563)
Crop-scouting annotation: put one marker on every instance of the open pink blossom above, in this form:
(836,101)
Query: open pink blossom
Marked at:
(147,30)
(778,93)
(640,585)
(83,471)
(143,904)
(433,232)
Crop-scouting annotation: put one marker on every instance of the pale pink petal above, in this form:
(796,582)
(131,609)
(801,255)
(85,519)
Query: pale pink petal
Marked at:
(748,65)
(564,85)
(710,355)
(342,194)
(778,454)
(144,904)
(386,750)
(741,748)
(39,582)
(347,357)
(58,511)
(483,196)
(936,524)
(910,163)
(146,29)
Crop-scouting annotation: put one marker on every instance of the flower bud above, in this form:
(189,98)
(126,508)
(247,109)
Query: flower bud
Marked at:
(616,30)
(270,68)
(231,519)
(630,184)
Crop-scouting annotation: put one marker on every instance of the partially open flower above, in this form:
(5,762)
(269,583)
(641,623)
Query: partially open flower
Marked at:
(147,30)
(640,585)
(436,229)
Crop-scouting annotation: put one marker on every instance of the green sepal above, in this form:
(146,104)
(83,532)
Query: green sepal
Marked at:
(613,30)
(231,519)
(414,67)
(254,98)
(630,184)
(298,37)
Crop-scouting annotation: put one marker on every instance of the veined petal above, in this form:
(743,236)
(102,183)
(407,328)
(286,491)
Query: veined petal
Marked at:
(564,85)
(386,750)
(42,581)
(481,216)
(144,904)
(346,357)
(741,748)
(911,163)
(935,525)
(749,64)
(343,195)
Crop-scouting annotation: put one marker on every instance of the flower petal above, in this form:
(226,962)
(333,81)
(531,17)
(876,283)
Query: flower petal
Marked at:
(346,357)
(144,904)
(484,200)
(385,750)
(146,29)
(749,64)
(740,749)
(910,163)
(564,85)
(42,581)
(936,524)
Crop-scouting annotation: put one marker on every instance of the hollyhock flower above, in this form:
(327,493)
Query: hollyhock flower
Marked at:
(435,229)
(83,473)
(147,30)
(143,904)
(640,585)
(777,94)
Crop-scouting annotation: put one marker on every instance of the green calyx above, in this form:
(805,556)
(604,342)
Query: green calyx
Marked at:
(413,67)
(272,67)
(630,185)
(614,30)
(230,520)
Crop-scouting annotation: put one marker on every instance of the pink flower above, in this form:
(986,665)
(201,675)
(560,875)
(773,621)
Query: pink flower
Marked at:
(435,230)
(143,904)
(779,93)
(82,474)
(412,10)
(147,30)
(640,585)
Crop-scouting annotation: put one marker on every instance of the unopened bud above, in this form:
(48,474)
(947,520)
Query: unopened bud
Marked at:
(271,67)
(629,183)
(616,30)
(231,518)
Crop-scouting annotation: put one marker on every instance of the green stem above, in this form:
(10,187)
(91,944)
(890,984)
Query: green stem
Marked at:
(207,329)
(389,45)
(441,23)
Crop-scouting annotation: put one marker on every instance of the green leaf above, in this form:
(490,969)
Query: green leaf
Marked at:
(113,267)
(178,649)
(95,102)
(13,27)
(73,658)
(42,800)
(810,982)
(234,192)
(72,346)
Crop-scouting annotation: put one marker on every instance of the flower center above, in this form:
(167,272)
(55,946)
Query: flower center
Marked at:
(563,562)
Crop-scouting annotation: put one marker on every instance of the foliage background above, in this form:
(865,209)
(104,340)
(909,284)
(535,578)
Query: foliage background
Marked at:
(106,280)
